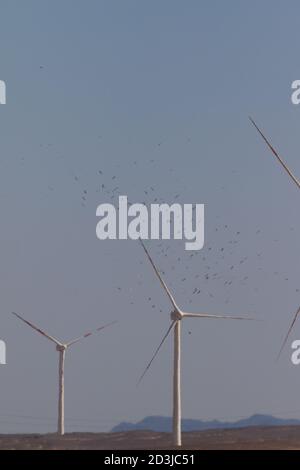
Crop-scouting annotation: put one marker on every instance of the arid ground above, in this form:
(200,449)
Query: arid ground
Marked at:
(287,437)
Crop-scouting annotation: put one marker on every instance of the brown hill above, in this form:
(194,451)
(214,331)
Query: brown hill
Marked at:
(285,437)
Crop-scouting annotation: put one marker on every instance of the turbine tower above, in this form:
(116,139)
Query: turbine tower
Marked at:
(61,348)
(177,315)
(297,182)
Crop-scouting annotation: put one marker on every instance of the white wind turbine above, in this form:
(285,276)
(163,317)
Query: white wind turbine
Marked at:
(297,182)
(61,348)
(177,315)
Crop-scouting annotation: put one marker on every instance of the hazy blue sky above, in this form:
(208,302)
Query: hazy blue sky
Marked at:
(157,94)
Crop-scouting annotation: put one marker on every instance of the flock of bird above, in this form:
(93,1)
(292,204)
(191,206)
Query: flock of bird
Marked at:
(221,265)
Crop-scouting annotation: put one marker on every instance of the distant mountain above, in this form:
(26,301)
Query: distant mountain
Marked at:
(164,424)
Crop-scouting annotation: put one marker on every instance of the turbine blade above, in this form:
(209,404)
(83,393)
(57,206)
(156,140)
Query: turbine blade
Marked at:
(51,338)
(223,317)
(157,351)
(171,298)
(288,333)
(282,163)
(86,335)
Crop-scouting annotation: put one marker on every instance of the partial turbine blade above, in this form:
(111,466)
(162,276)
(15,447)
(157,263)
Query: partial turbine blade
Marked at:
(289,172)
(206,315)
(157,351)
(288,333)
(161,279)
(86,335)
(54,340)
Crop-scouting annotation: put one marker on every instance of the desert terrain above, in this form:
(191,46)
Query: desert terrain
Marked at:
(260,438)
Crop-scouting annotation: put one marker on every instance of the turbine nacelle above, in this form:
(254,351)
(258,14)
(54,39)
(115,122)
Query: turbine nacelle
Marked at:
(176,315)
(61,347)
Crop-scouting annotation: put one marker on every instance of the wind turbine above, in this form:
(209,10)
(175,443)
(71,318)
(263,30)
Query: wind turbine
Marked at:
(177,315)
(61,348)
(296,181)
